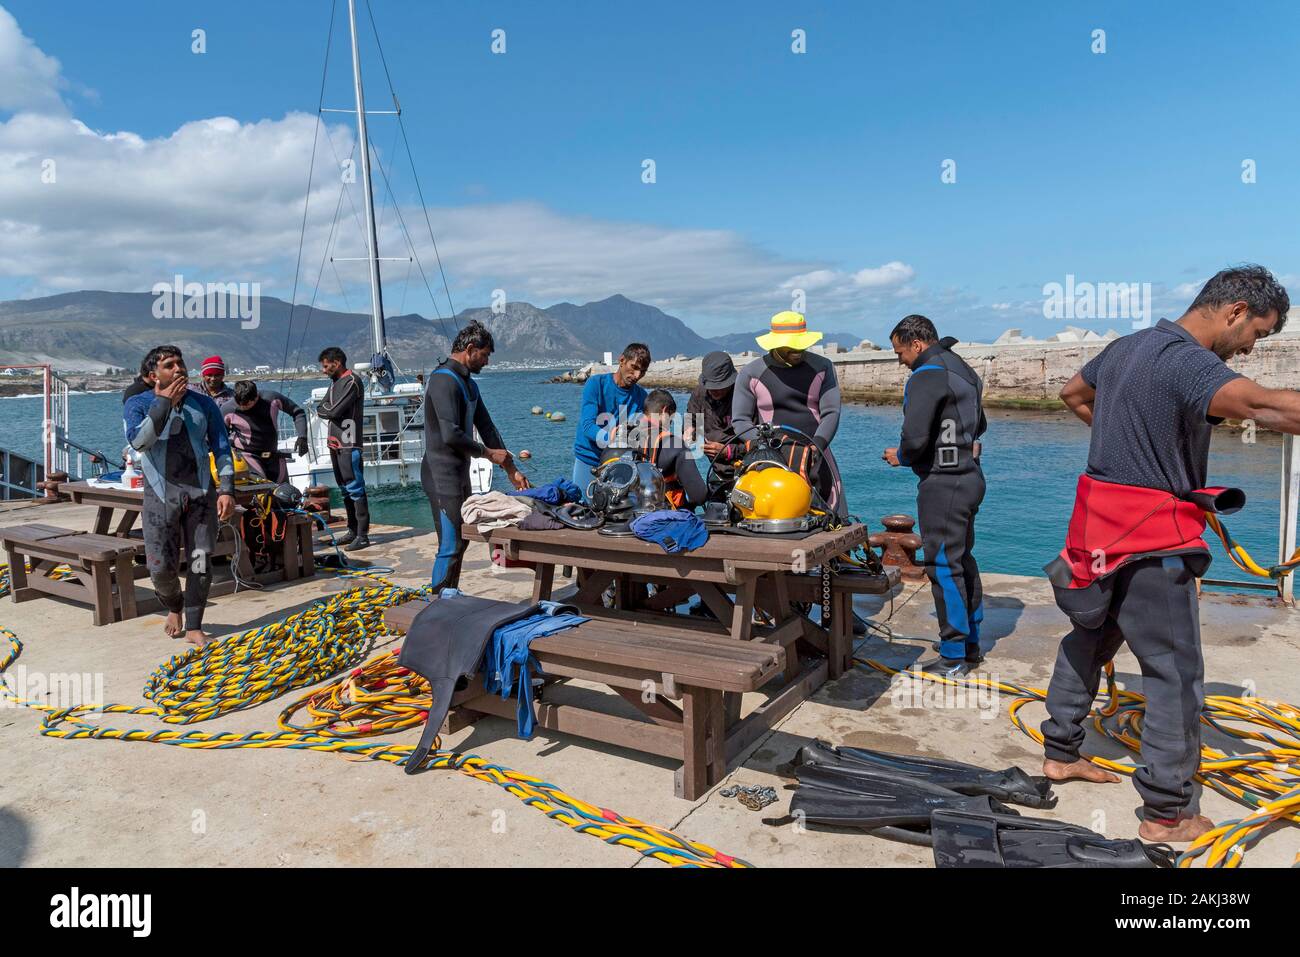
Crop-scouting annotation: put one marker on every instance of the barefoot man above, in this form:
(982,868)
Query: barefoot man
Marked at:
(175,428)
(1134,550)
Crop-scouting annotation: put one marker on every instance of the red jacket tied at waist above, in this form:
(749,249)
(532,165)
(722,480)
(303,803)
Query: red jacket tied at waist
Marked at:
(1113,524)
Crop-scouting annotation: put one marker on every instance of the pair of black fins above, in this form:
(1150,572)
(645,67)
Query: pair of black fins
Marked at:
(959,810)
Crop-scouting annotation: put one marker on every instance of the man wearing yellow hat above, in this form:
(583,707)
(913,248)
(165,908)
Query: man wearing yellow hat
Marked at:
(793,387)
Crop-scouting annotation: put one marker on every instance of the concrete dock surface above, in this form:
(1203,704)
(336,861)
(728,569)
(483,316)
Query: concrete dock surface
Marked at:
(137,804)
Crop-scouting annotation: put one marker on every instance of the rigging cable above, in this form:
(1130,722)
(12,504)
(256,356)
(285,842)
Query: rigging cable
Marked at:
(411,159)
(306,204)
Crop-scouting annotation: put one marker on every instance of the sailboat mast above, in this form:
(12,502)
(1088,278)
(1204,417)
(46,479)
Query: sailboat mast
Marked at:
(376,294)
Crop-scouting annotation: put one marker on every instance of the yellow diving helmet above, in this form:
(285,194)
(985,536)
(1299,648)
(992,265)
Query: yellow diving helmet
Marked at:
(771,498)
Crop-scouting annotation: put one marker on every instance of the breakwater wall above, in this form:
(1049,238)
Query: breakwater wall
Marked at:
(1017,375)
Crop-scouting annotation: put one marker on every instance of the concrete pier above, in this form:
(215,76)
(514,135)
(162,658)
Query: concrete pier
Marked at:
(103,802)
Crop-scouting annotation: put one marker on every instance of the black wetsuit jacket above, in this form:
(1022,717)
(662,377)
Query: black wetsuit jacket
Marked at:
(942,414)
(453,409)
(342,408)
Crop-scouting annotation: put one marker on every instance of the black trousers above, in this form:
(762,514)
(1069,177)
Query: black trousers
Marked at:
(180,529)
(946,505)
(1154,610)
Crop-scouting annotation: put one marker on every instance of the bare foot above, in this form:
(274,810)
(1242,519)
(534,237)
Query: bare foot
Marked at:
(1184,829)
(1079,770)
(172,627)
(196,636)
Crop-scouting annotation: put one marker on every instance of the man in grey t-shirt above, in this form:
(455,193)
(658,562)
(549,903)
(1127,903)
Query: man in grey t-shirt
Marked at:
(1152,399)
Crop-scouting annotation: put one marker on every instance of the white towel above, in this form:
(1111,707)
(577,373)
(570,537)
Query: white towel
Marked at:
(494,509)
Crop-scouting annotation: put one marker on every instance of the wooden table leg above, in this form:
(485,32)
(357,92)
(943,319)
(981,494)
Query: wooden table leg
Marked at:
(307,549)
(103,518)
(717,738)
(742,612)
(289,554)
(841,635)
(17,570)
(731,702)
(101,579)
(695,726)
(125,568)
(126,522)
(543,581)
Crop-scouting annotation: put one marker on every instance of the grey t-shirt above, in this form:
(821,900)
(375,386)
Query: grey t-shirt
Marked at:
(1150,421)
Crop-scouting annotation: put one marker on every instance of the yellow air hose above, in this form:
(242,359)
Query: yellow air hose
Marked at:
(332,638)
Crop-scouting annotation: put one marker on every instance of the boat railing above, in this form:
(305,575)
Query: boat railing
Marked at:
(19,476)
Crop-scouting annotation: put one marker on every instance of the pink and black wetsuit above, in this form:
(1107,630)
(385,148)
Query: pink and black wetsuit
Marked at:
(804,396)
(255,432)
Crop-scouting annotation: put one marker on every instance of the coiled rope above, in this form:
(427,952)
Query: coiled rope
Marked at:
(1267,780)
(334,634)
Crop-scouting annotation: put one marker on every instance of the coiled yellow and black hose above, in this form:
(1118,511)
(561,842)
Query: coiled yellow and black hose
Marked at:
(331,638)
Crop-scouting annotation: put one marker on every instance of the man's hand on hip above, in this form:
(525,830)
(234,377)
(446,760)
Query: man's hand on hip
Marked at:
(891,456)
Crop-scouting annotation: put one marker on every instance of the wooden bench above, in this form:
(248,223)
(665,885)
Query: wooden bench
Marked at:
(650,667)
(102,568)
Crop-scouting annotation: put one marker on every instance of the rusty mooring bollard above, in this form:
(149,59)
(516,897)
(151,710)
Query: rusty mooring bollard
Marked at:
(50,485)
(899,544)
(317,499)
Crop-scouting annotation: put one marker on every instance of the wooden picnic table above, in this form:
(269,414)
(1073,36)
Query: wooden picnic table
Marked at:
(117,510)
(735,577)
(130,502)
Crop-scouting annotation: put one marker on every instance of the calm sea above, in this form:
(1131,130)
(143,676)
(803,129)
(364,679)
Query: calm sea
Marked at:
(1031,463)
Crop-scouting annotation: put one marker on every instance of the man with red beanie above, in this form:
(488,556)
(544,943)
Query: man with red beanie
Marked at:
(213,381)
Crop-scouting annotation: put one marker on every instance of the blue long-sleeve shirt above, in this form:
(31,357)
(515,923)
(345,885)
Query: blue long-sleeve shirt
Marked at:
(602,401)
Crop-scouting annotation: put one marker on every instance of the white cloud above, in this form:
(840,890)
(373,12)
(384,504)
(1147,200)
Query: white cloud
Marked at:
(29,79)
(890,274)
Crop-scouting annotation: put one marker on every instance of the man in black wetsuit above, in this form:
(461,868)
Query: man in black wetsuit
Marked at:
(942,419)
(342,408)
(453,409)
(143,382)
(252,419)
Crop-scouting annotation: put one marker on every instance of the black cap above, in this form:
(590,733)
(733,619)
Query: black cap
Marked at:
(717,371)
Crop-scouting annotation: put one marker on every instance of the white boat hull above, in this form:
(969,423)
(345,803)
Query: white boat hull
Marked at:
(392,447)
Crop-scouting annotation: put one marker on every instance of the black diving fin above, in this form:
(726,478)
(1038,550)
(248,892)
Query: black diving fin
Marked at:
(1011,785)
(826,797)
(962,839)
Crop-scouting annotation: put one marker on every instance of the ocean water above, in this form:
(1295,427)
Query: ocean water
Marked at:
(1031,462)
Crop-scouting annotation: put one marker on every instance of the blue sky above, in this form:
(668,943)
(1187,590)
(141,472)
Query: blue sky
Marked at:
(774,170)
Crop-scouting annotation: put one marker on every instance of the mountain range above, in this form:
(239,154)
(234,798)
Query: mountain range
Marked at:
(92,330)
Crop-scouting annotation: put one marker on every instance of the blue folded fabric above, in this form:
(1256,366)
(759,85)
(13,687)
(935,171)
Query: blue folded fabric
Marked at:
(673,531)
(553,493)
(509,664)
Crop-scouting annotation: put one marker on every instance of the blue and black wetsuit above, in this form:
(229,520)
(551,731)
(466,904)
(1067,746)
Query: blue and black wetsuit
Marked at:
(180,502)
(453,408)
(942,419)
